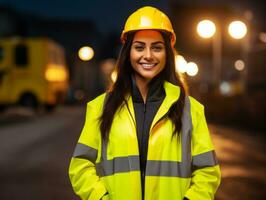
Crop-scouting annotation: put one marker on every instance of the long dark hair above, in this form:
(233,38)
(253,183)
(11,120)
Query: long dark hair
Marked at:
(122,86)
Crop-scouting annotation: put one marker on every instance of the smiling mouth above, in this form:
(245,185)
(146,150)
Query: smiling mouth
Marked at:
(148,65)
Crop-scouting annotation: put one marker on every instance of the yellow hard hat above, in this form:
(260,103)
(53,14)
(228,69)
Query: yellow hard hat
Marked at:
(148,18)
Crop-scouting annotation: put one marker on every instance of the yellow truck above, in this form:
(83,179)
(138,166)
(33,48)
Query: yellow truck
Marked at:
(33,73)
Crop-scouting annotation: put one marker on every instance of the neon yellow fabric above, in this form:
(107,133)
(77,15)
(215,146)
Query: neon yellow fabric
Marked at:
(204,181)
(87,183)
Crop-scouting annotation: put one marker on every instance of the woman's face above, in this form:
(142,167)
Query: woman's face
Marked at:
(147,54)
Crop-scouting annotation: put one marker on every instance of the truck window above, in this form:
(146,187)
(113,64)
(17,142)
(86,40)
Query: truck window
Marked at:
(21,55)
(1,53)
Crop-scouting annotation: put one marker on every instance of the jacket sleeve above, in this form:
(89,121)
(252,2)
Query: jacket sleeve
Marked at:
(206,175)
(82,171)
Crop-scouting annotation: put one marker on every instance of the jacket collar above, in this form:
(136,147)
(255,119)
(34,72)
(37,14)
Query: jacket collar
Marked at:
(172,94)
(172,91)
(155,93)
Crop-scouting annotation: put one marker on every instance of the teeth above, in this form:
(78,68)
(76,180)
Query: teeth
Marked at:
(148,65)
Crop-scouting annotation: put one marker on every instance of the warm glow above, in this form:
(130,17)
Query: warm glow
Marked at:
(86,53)
(180,64)
(56,73)
(192,69)
(237,29)
(206,28)
(114,76)
(239,65)
(262,37)
(107,66)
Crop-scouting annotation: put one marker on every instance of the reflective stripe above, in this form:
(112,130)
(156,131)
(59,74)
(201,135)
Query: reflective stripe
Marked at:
(186,132)
(207,159)
(154,168)
(85,152)
(118,165)
(168,168)
(181,169)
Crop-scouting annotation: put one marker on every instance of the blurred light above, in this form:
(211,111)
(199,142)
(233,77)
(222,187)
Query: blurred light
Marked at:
(239,65)
(56,73)
(107,66)
(237,29)
(180,64)
(86,53)
(262,37)
(192,69)
(225,88)
(114,76)
(206,28)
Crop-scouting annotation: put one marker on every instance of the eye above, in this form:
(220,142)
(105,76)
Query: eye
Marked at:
(158,48)
(138,47)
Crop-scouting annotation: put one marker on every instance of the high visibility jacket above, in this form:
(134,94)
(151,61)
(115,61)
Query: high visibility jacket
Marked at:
(181,166)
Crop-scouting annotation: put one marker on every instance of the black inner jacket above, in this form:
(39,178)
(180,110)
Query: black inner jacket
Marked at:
(144,114)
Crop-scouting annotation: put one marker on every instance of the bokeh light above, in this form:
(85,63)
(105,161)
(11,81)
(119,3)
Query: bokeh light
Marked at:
(237,29)
(86,53)
(239,65)
(192,69)
(180,64)
(206,28)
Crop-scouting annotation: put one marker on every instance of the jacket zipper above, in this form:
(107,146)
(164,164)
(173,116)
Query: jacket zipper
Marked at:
(142,145)
(144,111)
(143,123)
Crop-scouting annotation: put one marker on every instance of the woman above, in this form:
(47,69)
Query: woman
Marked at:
(145,138)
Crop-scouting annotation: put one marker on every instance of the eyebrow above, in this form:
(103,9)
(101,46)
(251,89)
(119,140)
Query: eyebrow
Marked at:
(154,43)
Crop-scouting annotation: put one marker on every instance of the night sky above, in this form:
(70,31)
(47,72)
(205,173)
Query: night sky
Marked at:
(111,15)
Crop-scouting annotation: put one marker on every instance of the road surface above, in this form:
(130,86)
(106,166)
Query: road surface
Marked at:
(243,162)
(35,151)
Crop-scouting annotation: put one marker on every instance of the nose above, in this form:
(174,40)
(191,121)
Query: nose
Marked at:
(148,54)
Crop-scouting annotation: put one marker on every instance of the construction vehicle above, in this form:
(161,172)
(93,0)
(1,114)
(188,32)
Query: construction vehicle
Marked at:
(33,73)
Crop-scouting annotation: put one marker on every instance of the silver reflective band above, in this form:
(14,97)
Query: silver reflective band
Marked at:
(117,165)
(182,169)
(155,167)
(168,168)
(174,168)
(207,159)
(85,152)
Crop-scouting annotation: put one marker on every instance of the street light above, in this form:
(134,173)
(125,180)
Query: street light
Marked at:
(207,29)
(86,53)
(237,29)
